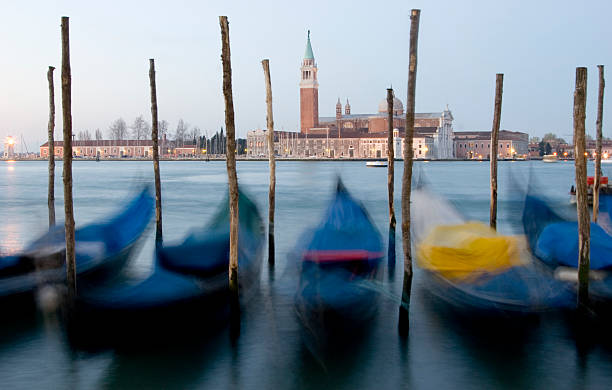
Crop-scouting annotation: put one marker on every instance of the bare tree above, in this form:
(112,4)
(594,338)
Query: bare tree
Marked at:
(163,128)
(181,131)
(194,133)
(118,129)
(84,135)
(99,135)
(140,128)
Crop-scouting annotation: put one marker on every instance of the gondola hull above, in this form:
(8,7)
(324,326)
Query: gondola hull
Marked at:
(187,290)
(553,239)
(339,273)
(101,251)
(476,270)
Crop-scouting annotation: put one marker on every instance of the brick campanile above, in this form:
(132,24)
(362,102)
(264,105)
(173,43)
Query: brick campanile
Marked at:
(309,91)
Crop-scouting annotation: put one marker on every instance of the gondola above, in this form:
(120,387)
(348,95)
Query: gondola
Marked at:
(188,286)
(553,238)
(101,250)
(476,269)
(338,269)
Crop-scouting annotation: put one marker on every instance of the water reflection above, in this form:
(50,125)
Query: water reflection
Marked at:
(442,350)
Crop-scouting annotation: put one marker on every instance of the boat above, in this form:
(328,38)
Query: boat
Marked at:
(188,286)
(553,238)
(475,269)
(604,189)
(377,164)
(338,266)
(550,158)
(101,250)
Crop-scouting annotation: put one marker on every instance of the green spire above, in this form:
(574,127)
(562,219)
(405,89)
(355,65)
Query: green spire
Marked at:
(308,55)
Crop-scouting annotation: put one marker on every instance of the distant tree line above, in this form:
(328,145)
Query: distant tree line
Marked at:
(548,143)
(184,134)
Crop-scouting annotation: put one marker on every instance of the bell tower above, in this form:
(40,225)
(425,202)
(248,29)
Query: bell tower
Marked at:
(309,91)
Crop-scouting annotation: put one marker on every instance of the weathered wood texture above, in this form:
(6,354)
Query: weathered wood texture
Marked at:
(67,119)
(407,176)
(155,138)
(230,155)
(272,191)
(584,227)
(390,159)
(51,131)
(499,86)
(597,185)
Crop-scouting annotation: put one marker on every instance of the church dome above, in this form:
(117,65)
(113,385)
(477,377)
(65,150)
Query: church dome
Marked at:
(398,107)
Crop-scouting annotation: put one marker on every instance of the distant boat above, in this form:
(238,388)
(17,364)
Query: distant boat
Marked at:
(604,188)
(606,160)
(550,158)
(376,164)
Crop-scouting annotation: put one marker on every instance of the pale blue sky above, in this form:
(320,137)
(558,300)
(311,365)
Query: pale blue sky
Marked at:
(360,47)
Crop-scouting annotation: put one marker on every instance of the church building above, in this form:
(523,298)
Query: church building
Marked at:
(354,135)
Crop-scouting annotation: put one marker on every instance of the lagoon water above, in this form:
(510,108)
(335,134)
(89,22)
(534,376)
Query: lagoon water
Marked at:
(438,353)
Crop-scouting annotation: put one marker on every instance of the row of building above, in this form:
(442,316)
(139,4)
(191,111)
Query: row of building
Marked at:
(465,145)
(349,135)
(122,149)
(345,135)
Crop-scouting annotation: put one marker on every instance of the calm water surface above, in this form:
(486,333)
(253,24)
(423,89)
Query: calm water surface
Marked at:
(439,352)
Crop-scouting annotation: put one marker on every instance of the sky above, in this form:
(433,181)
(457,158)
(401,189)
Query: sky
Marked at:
(361,48)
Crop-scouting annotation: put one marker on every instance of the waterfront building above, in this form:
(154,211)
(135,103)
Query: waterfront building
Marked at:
(109,148)
(477,144)
(370,145)
(435,129)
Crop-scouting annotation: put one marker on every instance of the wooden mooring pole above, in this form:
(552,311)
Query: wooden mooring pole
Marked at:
(407,176)
(272,192)
(584,227)
(67,119)
(155,138)
(390,178)
(51,130)
(230,160)
(600,97)
(499,86)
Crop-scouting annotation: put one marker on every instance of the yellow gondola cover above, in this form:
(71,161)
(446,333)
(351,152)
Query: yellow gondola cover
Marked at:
(466,251)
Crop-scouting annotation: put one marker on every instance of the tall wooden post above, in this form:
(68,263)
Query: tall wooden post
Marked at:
(231,157)
(602,84)
(584,227)
(155,138)
(499,86)
(51,130)
(390,176)
(272,192)
(407,176)
(67,119)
